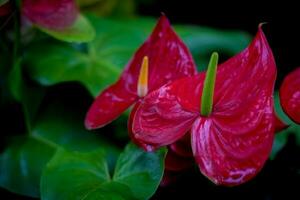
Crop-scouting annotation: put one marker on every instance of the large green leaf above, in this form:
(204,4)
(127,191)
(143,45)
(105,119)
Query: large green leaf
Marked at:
(58,126)
(21,165)
(282,137)
(61,63)
(73,175)
(80,31)
(100,63)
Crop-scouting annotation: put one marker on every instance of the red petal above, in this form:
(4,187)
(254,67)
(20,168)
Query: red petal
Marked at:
(227,158)
(290,95)
(146,147)
(166,114)
(54,14)
(232,144)
(169,59)
(109,105)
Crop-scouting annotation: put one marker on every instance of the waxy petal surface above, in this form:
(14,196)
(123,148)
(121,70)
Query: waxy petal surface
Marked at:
(109,105)
(232,144)
(161,119)
(54,14)
(290,95)
(169,59)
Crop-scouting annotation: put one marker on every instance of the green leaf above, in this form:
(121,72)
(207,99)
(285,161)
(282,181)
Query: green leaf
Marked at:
(282,137)
(58,126)
(116,8)
(100,62)
(62,63)
(140,171)
(73,175)
(80,31)
(21,165)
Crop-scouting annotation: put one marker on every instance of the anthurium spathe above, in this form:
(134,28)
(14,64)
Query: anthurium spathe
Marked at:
(162,58)
(233,139)
(54,14)
(290,95)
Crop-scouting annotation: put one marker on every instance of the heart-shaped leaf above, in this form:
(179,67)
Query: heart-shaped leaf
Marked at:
(73,175)
(21,165)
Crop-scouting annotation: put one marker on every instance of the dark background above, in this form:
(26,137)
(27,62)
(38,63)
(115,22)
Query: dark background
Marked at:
(280,178)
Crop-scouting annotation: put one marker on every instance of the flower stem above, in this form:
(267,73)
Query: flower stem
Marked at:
(209,86)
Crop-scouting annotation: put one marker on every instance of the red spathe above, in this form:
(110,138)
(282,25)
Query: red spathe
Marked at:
(232,144)
(290,95)
(169,59)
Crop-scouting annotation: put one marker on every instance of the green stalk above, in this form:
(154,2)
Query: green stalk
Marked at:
(209,85)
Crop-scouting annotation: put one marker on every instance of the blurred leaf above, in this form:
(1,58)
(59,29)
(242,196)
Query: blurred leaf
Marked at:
(282,137)
(202,41)
(80,31)
(114,45)
(121,8)
(58,126)
(29,96)
(72,175)
(21,165)
(62,63)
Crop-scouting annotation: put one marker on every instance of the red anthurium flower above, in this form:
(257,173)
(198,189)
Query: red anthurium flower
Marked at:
(232,141)
(290,95)
(162,58)
(54,14)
